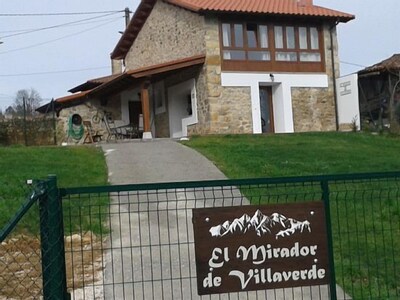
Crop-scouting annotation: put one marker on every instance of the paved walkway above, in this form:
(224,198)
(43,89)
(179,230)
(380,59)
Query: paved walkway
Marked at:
(162,160)
(151,241)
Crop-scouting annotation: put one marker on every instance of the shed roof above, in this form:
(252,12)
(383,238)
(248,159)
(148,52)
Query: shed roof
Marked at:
(92,83)
(114,83)
(300,8)
(391,64)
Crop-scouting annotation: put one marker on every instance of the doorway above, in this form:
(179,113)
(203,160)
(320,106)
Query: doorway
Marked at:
(266,110)
(182,108)
(135,109)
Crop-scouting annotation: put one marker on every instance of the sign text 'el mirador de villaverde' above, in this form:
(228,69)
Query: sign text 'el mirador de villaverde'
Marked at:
(260,247)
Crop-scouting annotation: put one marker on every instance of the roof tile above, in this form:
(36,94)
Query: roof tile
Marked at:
(276,7)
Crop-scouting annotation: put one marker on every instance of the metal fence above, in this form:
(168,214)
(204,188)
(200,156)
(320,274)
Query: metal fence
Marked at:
(136,241)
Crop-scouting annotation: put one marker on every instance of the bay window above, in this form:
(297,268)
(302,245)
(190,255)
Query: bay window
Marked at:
(281,47)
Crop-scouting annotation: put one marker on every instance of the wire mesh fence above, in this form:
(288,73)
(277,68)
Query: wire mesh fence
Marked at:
(137,241)
(20,251)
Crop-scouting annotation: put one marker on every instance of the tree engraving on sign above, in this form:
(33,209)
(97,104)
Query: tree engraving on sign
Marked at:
(251,248)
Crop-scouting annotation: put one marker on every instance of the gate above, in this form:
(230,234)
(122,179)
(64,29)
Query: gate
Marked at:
(136,241)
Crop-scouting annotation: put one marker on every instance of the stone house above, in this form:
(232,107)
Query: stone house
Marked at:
(191,67)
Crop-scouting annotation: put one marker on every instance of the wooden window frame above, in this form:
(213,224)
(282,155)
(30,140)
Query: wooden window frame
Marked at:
(272,64)
(245,47)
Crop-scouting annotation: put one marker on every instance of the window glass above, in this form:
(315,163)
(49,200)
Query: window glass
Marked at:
(290,39)
(286,56)
(238,35)
(226,35)
(311,57)
(234,55)
(303,37)
(278,37)
(314,38)
(259,55)
(263,30)
(251,30)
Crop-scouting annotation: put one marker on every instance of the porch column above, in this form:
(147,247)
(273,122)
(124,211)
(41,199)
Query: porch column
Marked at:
(146,110)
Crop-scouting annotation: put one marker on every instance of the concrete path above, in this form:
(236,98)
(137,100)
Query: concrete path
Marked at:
(151,245)
(161,160)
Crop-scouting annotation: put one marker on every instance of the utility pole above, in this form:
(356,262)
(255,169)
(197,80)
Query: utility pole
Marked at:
(127,16)
(25,135)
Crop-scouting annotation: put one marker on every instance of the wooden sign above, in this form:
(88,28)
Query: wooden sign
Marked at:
(260,247)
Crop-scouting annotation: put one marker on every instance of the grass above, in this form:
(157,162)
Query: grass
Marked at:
(365,215)
(248,156)
(74,166)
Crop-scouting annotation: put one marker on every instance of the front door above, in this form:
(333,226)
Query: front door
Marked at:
(266,109)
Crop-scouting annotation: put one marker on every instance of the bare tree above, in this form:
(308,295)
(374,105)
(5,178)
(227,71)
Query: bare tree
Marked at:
(30,99)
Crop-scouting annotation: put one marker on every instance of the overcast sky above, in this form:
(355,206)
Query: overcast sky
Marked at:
(68,55)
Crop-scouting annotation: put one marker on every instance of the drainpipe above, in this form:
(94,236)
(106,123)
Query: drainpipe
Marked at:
(334,74)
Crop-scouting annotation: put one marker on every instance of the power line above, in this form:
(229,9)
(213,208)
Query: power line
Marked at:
(54,40)
(82,23)
(60,14)
(55,26)
(352,64)
(53,72)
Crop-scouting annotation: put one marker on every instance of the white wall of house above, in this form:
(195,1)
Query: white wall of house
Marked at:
(348,103)
(126,96)
(281,83)
(179,118)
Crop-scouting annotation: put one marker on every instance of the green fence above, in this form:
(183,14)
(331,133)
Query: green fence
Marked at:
(136,241)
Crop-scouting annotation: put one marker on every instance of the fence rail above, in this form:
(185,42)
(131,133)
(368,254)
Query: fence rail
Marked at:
(136,241)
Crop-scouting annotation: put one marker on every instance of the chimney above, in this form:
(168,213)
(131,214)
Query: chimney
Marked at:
(305,2)
(116,66)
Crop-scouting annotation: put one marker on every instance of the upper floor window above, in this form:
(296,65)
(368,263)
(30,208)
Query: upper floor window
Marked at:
(245,42)
(270,43)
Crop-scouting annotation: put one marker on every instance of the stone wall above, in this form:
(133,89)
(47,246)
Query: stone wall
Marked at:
(162,125)
(229,107)
(203,107)
(170,33)
(314,108)
(87,110)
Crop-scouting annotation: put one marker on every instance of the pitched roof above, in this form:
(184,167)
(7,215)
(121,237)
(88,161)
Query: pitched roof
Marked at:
(390,64)
(92,83)
(271,7)
(301,8)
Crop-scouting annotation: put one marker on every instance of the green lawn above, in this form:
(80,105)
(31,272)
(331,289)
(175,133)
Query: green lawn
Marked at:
(247,156)
(74,166)
(365,215)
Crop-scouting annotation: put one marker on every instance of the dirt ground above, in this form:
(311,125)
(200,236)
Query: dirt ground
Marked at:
(21,270)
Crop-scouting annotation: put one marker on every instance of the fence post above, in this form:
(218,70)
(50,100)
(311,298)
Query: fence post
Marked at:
(325,198)
(52,243)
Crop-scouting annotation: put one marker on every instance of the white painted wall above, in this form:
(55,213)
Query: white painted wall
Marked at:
(347,98)
(177,108)
(126,96)
(282,83)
